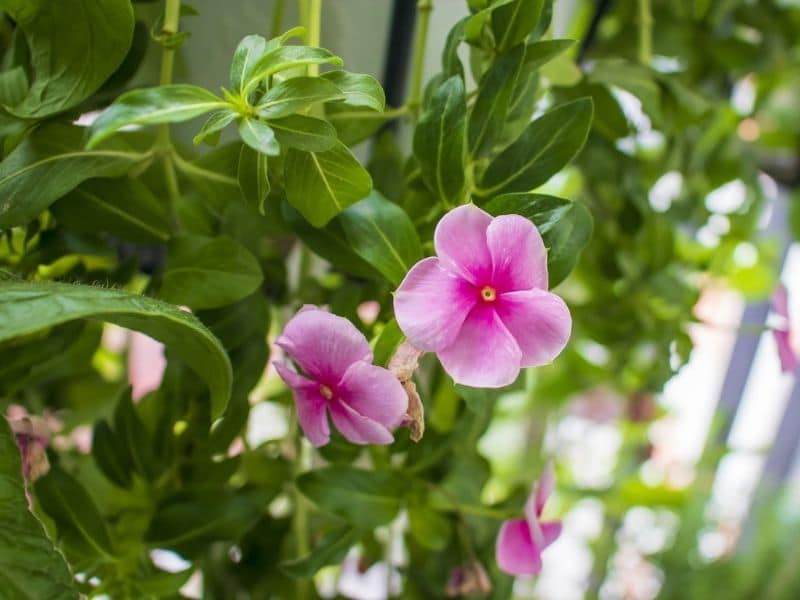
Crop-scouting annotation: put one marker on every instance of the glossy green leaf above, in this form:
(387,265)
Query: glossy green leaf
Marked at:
(253,177)
(330,550)
(295,94)
(543,149)
(513,22)
(566,227)
(124,207)
(259,136)
(322,184)
(97,38)
(382,234)
(13,86)
(304,133)
(359,89)
(28,307)
(212,128)
(147,106)
(249,50)
(31,567)
(111,456)
(367,499)
(203,272)
(387,341)
(475,24)
(48,164)
(288,57)
(439,141)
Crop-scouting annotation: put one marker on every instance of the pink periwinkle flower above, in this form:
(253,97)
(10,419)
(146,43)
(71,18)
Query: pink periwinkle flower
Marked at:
(783,334)
(482,303)
(365,402)
(146,364)
(521,541)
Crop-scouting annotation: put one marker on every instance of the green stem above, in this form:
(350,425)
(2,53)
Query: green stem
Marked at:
(645,32)
(300,520)
(424,8)
(277,17)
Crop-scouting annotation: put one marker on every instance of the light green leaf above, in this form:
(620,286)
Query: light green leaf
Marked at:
(30,567)
(212,128)
(358,89)
(381,233)
(49,163)
(259,136)
(439,141)
(288,57)
(543,149)
(28,307)
(430,528)
(253,177)
(147,106)
(247,53)
(203,272)
(304,133)
(322,184)
(330,550)
(295,94)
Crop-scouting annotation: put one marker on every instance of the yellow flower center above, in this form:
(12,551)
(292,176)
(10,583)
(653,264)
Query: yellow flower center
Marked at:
(489,294)
(326,392)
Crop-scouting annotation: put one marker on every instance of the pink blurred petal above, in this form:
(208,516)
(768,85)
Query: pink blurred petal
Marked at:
(519,258)
(545,487)
(356,427)
(515,552)
(460,242)
(323,344)
(550,532)
(539,321)
(484,354)
(431,304)
(789,358)
(146,364)
(374,393)
(309,404)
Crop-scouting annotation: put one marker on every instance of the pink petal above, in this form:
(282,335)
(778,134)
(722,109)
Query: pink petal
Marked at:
(460,242)
(550,532)
(310,405)
(780,301)
(146,364)
(431,304)
(786,354)
(539,321)
(323,344)
(519,258)
(515,552)
(545,487)
(375,393)
(484,354)
(356,427)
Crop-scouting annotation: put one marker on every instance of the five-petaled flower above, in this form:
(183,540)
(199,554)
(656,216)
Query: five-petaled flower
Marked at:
(521,541)
(365,401)
(482,304)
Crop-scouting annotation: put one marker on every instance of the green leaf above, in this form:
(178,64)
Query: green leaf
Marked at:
(203,272)
(210,132)
(381,233)
(124,207)
(358,89)
(48,164)
(253,177)
(439,141)
(475,24)
(429,528)
(148,106)
(247,53)
(68,503)
(75,45)
(566,227)
(31,567)
(259,136)
(387,341)
(304,133)
(136,440)
(330,550)
(514,21)
(295,94)
(322,184)
(367,499)
(543,149)
(28,307)
(13,86)
(540,53)
(111,456)
(287,57)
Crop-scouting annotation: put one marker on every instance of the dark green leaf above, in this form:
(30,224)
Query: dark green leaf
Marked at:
(330,550)
(111,456)
(304,133)
(353,124)
(358,89)
(13,86)
(137,441)
(259,136)
(386,343)
(247,53)
(295,94)
(211,129)
(253,177)
(514,21)
(431,529)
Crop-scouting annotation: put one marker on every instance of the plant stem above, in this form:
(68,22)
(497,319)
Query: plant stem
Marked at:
(313,30)
(645,32)
(277,17)
(300,520)
(414,101)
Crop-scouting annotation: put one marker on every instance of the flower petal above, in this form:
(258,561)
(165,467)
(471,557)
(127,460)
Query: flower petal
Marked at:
(146,364)
(309,404)
(550,532)
(545,487)
(539,321)
(356,427)
(431,304)
(519,258)
(460,242)
(323,344)
(374,393)
(515,552)
(484,354)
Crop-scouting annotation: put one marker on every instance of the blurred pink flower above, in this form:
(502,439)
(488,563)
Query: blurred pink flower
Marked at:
(146,364)
(32,435)
(783,333)
(482,304)
(365,401)
(521,541)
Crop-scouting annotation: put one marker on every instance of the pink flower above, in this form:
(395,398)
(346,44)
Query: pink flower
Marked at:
(783,333)
(521,541)
(365,401)
(483,304)
(146,364)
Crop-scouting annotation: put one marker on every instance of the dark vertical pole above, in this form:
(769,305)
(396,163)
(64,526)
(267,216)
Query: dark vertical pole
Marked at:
(401,36)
